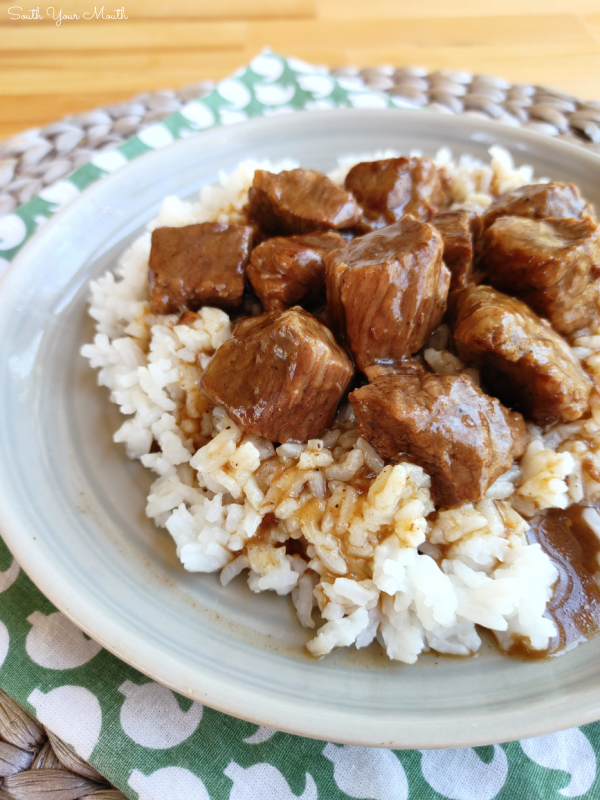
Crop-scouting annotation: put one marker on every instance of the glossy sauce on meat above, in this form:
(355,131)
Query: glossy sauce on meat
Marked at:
(198,265)
(445,424)
(459,229)
(390,188)
(386,292)
(540,201)
(300,201)
(281,376)
(551,264)
(523,360)
(575,605)
(286,270)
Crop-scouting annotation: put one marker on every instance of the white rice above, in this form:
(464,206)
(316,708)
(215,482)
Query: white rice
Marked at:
(425,577)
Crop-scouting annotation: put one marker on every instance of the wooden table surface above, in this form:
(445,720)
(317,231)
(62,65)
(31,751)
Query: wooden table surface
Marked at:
(48,70)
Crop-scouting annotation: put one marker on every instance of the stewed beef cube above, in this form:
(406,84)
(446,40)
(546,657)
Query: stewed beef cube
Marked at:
(523,360)
(444,423)
(386,292)
(281,376)
(300,201)
(285,270)
(553,265)
(458,229)
(198,265)
(539,201)
(390,188)
(405,366)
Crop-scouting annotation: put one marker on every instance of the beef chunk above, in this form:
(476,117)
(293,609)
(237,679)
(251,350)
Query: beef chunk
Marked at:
(281,376)
(198,265)
(552,265)
(300,201)
(405,366)
(461,437)
(386,292)
(458,229)
(539,201)
(285,270)
(388,189)
(524,361)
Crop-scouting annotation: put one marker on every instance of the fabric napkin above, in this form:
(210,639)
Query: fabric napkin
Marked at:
(156,745)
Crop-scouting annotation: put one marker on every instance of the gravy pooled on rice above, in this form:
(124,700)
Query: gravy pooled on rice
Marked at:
(376,391)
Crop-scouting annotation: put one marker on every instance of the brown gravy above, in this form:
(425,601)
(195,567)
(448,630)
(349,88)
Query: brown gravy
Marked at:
(563,535)
(575,605)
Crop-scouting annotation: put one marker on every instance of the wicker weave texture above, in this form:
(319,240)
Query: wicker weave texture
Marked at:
(36,765)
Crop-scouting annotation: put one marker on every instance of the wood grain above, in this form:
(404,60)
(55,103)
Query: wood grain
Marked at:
(426,34)
(49,70)
(398,9)
(145,35)
(45,73)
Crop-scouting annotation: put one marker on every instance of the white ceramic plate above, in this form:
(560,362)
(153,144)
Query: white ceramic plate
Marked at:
(72,505)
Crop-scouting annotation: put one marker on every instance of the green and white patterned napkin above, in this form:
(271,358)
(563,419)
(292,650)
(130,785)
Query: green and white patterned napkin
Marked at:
(156,745)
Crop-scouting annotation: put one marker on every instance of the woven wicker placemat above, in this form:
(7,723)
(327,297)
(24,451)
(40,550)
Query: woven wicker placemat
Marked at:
(34,763)
(37,158)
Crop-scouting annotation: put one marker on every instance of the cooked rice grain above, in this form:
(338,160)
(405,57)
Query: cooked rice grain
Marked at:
(422,578)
